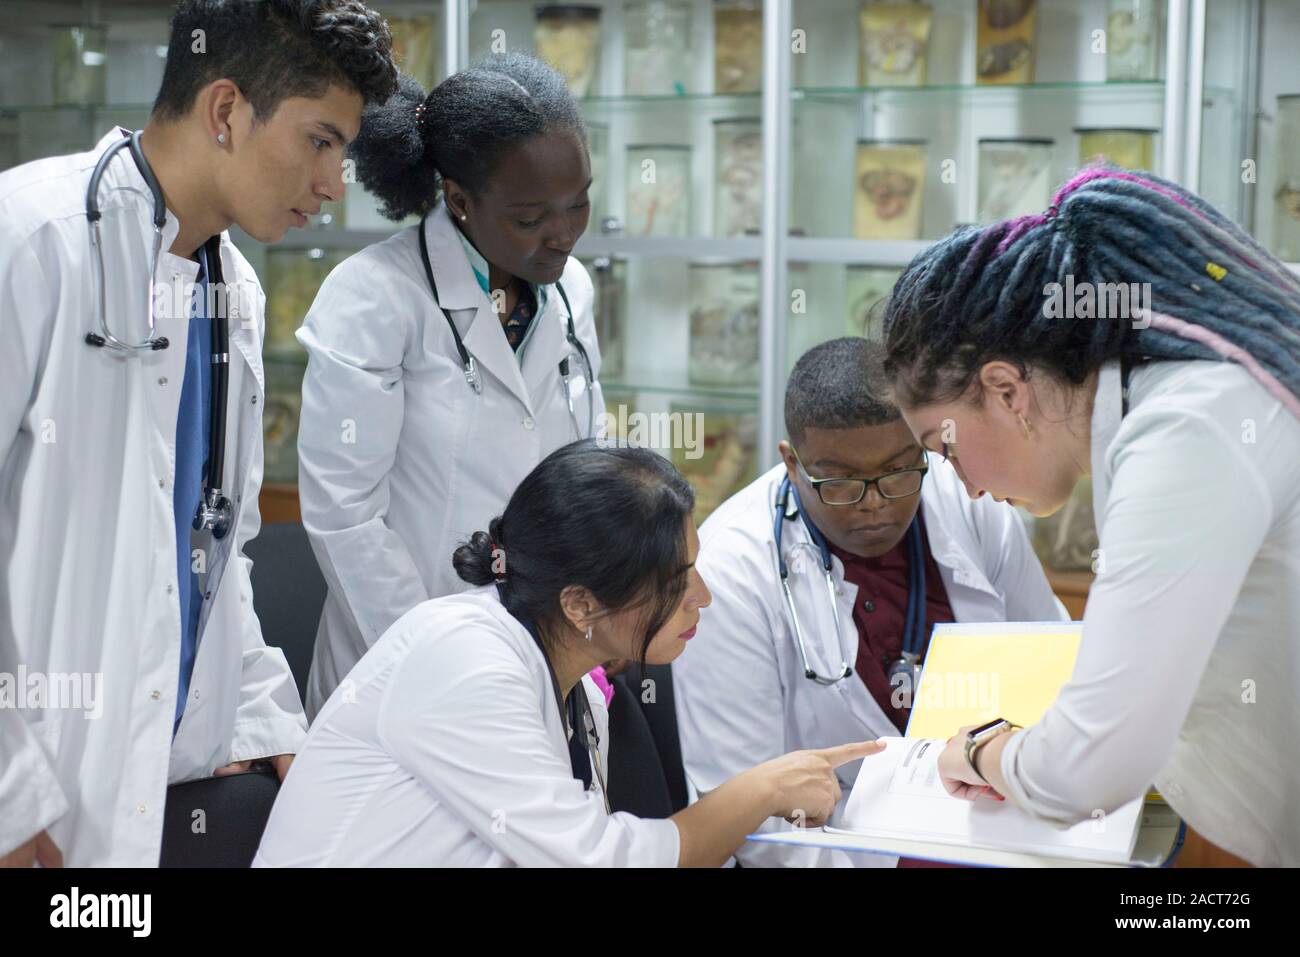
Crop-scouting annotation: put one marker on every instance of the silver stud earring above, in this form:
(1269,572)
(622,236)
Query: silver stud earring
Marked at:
(221,137)
(589,632)
(463,217)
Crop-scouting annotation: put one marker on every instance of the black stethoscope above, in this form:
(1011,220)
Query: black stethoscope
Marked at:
(471,368)
(215,511)
(908,663)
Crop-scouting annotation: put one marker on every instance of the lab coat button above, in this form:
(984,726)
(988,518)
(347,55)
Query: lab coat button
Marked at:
(162,380)
(161,484)
(169,589)
(155,695)
(141,808)
(528,422)
(253,400)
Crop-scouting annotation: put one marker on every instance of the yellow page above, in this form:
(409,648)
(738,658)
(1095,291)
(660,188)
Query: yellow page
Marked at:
(975,672)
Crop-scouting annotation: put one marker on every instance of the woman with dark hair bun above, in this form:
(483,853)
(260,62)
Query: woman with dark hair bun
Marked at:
(448,360)
(1133,333)
(469,736)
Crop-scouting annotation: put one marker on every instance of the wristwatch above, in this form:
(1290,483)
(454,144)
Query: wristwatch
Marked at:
(978,737)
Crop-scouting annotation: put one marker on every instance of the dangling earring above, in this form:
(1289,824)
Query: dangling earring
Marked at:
(1025,425)
(589,632)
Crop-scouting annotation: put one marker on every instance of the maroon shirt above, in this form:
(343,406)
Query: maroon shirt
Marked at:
(880,612)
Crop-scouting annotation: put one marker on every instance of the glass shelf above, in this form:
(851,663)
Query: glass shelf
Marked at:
(976,93)
(319,238)
(705,102)
(678,386)
(90,108)
(729,102)
(866,252)
(704,248)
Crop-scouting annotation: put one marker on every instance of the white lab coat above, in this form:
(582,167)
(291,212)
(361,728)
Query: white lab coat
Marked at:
(446,749)
(399,459)
(1189,667)
(87,535)
(742,697)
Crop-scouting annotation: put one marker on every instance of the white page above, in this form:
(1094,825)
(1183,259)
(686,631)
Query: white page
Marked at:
(898,795)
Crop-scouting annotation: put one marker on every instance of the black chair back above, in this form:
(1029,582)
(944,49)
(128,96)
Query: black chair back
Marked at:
(288,594)
(217,822)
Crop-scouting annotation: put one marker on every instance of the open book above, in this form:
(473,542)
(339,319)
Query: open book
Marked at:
(898,796)
(976,672)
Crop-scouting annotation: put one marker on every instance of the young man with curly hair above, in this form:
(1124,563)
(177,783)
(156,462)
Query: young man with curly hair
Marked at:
(139,658)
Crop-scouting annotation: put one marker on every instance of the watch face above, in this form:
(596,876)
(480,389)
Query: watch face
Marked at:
(986,728)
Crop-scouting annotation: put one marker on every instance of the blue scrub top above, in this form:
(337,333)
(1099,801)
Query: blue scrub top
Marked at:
(192,424)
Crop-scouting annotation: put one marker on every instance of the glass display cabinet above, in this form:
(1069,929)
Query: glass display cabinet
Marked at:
(764,168)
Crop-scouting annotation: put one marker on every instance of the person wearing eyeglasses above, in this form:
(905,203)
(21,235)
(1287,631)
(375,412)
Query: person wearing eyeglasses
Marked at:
(876,541)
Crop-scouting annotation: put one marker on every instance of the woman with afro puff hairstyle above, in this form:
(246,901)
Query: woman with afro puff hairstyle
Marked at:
(441,365)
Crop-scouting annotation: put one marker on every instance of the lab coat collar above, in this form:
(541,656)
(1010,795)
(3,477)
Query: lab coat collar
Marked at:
(122,173)
(1107,416)
(457,286)
(460,291)
(547,345)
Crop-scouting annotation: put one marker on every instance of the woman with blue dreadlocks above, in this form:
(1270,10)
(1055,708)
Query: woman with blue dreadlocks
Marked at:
(1134,334)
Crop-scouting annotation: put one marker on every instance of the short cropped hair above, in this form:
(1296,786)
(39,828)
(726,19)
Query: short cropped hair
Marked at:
(273,50)
(839,384)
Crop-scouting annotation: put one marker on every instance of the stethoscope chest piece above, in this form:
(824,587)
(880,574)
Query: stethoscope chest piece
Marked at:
(905,672)
(215,513)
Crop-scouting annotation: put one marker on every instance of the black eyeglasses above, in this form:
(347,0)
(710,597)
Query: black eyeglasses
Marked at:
(850,491)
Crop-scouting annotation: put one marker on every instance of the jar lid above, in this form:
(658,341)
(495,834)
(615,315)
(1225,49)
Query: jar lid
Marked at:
(1116,129)
(579,11)
(1032,140)
(740,264)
